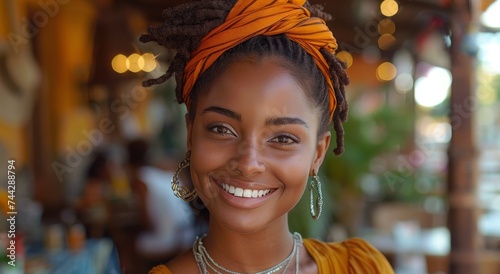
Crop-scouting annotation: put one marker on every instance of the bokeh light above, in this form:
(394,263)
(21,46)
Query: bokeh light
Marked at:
(386,71)
(389,8)
(119,63)
(404,83)
(346,57)
(385,41)
(432,90)
(149,62)
(490,18)
(386,26)
(133,62)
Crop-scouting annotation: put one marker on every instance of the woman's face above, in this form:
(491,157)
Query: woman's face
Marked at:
(254,141)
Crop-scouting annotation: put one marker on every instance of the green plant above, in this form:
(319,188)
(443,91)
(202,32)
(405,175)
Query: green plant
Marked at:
(367,136)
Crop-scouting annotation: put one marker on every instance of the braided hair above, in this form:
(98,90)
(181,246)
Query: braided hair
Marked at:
(186,24)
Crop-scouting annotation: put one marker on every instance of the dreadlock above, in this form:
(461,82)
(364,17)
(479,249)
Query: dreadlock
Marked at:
(186,24)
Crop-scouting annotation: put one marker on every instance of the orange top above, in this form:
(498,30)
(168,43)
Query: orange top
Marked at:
(354,256)
(248,19)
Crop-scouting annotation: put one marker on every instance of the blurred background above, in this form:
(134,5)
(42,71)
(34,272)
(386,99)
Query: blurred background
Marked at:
(93,151)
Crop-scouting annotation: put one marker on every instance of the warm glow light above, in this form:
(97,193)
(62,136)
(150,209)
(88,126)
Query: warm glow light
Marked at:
(432,90)
(385,41)
(404,83)
(389,8)
(141,62)
(386,26)
(133,62)
(119,63)
(490,18)
(386,71)
(346,57)
(149,62)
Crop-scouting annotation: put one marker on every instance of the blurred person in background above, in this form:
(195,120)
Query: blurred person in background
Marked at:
(168,222)
(92,206)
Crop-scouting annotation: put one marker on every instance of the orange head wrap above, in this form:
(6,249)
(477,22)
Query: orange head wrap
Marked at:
(249,18)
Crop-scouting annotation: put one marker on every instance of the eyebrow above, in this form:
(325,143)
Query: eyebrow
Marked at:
(223,111)
(279,121)
(274,121)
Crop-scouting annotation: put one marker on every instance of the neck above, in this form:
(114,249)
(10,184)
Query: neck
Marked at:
(249,252)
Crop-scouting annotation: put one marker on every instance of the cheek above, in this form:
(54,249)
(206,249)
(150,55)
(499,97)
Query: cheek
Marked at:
(207,160)
(293,171)
(207,154)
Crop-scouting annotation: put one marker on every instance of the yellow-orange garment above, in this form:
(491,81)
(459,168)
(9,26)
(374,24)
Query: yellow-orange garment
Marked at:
(248,19)
(353,256)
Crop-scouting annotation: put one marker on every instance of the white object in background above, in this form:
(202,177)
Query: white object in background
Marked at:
(490,17)
(172,218)
(19,75)
(409,256)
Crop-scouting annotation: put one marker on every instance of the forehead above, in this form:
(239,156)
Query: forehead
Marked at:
(263,85)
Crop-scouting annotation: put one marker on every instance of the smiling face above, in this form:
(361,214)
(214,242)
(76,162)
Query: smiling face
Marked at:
(254,141)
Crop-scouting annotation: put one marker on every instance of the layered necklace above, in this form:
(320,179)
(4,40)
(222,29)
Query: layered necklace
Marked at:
(205,262)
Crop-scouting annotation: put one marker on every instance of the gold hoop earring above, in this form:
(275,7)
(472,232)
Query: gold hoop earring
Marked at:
(316,205)
(183,192)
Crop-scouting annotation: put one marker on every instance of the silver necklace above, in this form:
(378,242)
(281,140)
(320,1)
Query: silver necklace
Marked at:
(204,261)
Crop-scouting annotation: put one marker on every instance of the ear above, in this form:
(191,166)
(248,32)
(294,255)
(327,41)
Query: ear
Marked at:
(189,127)
(321,150)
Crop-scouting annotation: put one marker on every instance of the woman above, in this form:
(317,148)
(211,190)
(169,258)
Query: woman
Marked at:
(262,86)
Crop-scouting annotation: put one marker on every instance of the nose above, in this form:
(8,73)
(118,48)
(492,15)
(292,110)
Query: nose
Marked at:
(248,161)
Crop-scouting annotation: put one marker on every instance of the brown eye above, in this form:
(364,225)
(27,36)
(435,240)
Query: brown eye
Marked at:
(221,130)
(285,140)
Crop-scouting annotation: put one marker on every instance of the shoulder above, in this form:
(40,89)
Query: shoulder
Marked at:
(350,256)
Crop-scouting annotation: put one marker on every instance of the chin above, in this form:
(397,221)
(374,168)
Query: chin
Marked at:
(247,223)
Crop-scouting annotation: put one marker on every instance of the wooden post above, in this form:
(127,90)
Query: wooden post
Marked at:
(463,169)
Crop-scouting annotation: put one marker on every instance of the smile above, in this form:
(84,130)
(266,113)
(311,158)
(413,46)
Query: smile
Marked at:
(245,193)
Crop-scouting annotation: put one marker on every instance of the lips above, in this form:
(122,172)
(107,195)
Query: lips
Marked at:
(244,192)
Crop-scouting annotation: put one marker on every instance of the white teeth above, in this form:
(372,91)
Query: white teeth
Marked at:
(255,193)
(238,192)
(246,193)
